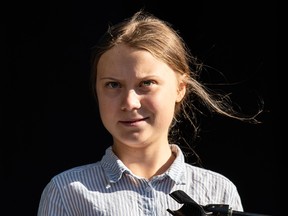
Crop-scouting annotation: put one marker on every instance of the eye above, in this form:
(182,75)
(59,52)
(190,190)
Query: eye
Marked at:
(112,85)
(147,83)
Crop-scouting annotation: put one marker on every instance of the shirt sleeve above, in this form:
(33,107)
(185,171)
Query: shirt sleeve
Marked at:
(50,202)
(236,203)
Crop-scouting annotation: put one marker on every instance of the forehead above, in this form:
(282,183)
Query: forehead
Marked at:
(123,59)
(123,54)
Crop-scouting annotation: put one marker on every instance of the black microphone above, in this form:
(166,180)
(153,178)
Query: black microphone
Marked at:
(191,208)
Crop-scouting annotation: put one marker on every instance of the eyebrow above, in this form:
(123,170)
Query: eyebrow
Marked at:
(140,78)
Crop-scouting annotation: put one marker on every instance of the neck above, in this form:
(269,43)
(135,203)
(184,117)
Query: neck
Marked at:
(146,162)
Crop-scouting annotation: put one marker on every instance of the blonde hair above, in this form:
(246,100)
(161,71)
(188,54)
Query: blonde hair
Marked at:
(147,32)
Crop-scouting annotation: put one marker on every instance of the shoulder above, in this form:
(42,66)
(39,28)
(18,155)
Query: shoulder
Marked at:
(80,174)
(210,180)
(211,187)
(76,181)
(79,171)
(88,175)
(200,173)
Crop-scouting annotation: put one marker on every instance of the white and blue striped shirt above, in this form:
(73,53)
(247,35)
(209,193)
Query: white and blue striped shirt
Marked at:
(108,187)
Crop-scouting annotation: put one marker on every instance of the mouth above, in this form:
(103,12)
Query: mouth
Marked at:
(133,121)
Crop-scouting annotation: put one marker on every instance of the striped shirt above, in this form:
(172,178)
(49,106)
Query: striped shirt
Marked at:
(109,188)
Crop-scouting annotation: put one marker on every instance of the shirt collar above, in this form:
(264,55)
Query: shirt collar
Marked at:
(177,170)
(114,167)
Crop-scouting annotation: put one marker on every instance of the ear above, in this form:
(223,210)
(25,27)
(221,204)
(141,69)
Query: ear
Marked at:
(181,89)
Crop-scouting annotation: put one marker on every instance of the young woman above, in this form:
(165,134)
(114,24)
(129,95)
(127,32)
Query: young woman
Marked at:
(144,80)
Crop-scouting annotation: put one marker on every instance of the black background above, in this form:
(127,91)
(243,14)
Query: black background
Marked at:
(50,116)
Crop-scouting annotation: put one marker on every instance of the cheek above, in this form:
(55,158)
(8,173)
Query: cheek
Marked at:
(107,114)
(162,104)
(106,108)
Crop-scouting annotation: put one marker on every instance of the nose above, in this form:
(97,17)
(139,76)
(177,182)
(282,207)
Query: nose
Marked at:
(131,101)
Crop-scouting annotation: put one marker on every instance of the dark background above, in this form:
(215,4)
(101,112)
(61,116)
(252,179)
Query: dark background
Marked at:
(50,118)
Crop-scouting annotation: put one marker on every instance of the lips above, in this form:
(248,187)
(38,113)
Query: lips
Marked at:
(133,121)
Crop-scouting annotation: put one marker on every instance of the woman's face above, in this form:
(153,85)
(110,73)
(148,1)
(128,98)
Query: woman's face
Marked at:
(137,95)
